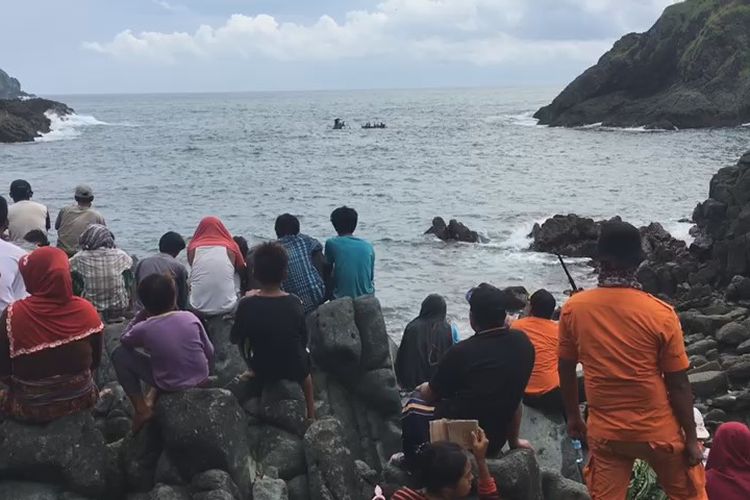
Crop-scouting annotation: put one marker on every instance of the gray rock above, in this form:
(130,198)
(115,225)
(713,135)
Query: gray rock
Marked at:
(706,384)
(166,472)
(379,390)
(69,451)
(205,429)
(548,434)
(701,347)
(282,404)
(556,487)
(733,334)
(740,371)
(282,450)
(270,489)
(298,489)
(166,492)
(517,475)
(335,342)
(228,362)
(738,289)
(331,470)
(373,333)
(709,366)
(19,490)
(715,415)
(744,348)
(214,495)
(725,402)
(105,374)
(697,360)
(213,480)
(139,455)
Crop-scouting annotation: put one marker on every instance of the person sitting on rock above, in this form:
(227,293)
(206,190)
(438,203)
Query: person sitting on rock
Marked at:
(352,258)
(728,467)
(216,264)
(36,238)
(50,343)
(543,390)
(306,263)
(11,283)
(245,276)
(446,473)
(165,262)
(633,355)
(103,268)
(177,350)
(25,215)
(72,221)
(483,377)
(270,328)
(424,343)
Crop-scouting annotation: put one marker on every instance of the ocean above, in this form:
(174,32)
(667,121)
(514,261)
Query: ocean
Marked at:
(161,162)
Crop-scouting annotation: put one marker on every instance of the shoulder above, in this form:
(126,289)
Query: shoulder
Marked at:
(518,336)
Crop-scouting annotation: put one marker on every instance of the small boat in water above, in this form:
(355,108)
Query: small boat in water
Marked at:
(339,124)
(369,125)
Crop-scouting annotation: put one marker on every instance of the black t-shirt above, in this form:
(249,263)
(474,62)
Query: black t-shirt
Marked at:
(272,337)
(484,378)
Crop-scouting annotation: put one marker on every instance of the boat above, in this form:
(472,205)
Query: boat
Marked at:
(339,124)
(369,125)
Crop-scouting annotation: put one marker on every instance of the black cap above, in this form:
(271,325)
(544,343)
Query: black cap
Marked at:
(20,188)
(620,244)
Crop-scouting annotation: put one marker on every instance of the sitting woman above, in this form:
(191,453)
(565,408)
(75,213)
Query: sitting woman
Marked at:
(425,341)
(178,352)
(216,264)
(50,342)
(270,327)
(445,471)
(728,466)
(102,268)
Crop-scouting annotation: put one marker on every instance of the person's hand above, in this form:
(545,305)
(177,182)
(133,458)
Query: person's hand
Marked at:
(577,428)
(479,444)
(694,453)
(520,444)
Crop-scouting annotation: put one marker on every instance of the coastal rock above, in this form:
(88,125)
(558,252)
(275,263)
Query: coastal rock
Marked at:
(270,489)
(331,470)
(556,487)
(568,235)
(215,481)
(708,383)
(20,490)
(551,442)
(335,342)
(206,429)
(687,71)
(517,475)
(228,362)
(282,404)
(733,334)
(373,333)
(453,231)
(10,88)
(25,120)
(298,489)
(282,451)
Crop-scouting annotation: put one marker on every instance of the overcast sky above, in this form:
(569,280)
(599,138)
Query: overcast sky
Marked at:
(113,46)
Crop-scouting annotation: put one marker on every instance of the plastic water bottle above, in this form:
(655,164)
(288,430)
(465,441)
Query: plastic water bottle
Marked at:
(577,447)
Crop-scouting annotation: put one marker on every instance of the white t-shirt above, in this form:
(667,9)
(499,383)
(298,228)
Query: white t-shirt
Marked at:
(25,216)
(214,286)
(12,287)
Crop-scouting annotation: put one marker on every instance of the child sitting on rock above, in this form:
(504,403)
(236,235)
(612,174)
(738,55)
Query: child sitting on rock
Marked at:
(177,353)
(270,328)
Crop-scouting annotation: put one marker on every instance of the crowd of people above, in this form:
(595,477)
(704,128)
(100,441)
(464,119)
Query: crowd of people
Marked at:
(55,302)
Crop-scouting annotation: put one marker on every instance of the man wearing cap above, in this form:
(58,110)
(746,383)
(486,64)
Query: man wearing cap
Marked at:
(25,215)
(483,377)
(633,355)
(73,220)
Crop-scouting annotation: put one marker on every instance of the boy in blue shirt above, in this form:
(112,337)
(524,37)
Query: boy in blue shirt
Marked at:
(352,259)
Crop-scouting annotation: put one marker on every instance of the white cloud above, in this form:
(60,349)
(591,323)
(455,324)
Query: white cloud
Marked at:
(480,32)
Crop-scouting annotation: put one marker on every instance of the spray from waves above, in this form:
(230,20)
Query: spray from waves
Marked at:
(525,119)
(67,126)
(680,231)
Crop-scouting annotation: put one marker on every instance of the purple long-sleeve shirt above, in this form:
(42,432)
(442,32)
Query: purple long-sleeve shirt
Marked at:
(180,350)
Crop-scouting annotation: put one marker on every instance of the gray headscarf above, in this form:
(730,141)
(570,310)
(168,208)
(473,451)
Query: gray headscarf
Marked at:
(97,236)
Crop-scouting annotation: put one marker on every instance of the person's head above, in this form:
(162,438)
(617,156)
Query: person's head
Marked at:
(270,263)
(542,304)
(444,469)
(96,236)
(488,307)
(20,190)
(286,225)
(730,448)
(344,220)
(433,306)
(242,244)
(46,274)
(37,237)
(171,243)
(158,293)
(619,246)
(84,195)
(3,214)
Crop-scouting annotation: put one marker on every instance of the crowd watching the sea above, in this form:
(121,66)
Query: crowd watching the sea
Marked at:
(55,302)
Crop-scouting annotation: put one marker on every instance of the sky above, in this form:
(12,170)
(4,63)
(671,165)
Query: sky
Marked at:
(137,46)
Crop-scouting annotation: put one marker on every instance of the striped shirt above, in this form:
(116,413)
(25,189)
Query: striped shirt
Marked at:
(303,279)
(101,270)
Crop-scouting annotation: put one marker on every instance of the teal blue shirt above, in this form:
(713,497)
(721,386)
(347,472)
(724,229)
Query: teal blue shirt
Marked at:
(353,261)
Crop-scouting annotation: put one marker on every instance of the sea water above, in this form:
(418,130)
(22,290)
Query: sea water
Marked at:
(161,162)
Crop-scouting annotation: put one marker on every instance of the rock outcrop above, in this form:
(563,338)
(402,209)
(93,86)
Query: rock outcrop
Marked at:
(454,231)
(10,88)
(25,120)
(691,69)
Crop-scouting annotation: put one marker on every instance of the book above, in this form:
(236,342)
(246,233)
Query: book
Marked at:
(455,431)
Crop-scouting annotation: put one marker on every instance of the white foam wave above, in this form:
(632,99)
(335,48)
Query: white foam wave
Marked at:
(745,125)
(680,230)
(600,127)
(67,126)
(525,119)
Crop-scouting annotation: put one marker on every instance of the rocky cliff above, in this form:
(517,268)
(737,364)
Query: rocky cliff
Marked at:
(10,88)
(691,69)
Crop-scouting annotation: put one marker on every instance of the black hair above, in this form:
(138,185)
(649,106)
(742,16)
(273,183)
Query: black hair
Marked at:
(20,190)
(242,243)
(440,465)
(488,306)
(81,199)
(37,237)
(619,245)
(286,225)
(157,293)
(3,211)
(270,261)
(543,304)
(171,243)
(344,220)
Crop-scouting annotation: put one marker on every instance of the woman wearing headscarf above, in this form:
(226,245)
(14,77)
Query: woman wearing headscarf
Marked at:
(728,466)
(216,263)
(425,341)
(50,343)
(101,266)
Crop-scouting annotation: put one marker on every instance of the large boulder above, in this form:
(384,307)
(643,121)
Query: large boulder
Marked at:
(283,451)
(21,490)
(453,231)
(549,437)
(205,429)
(335,342)
(568,235)
(331,471)
(270,489)
(228,362)
(708,383)
(25,120)
(373,333)
(517,475)
(69,451)
(556,487)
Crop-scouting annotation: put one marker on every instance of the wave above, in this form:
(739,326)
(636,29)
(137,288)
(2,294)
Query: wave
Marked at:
(67,126)
(680,231)
(525,119)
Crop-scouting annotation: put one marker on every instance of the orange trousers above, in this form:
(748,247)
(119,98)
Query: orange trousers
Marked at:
(611,464)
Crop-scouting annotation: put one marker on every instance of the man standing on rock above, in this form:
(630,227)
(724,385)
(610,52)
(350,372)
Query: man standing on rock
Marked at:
(633,355)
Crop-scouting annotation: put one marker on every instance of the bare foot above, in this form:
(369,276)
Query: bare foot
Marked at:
(151,396)
(141,417)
